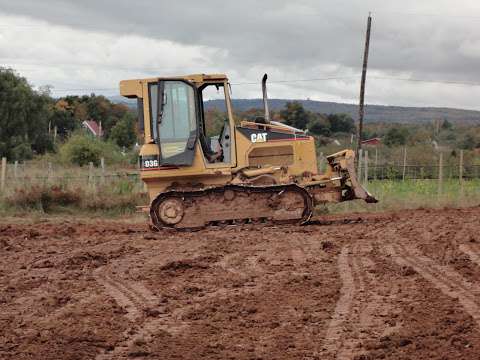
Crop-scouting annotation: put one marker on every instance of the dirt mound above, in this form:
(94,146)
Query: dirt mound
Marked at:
(400,285)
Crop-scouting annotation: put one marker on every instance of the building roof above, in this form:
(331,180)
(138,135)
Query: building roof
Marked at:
(372,141)
(93,127)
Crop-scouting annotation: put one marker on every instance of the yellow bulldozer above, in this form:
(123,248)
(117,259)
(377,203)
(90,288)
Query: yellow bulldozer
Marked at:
(201,172)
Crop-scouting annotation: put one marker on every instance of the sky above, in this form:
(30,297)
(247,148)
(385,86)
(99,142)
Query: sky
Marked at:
(422,53)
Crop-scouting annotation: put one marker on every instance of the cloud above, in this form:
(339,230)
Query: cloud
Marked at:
(93,44)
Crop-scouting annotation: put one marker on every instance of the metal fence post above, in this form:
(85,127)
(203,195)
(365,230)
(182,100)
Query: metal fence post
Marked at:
(90,174)
(404,162)
(366,166)
(15,169)
(102,164)
(4,174)
(460,173)
(440,175)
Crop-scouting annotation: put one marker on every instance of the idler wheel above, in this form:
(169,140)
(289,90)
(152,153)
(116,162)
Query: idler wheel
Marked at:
(171,211)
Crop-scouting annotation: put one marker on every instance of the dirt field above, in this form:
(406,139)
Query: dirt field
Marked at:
(392,286)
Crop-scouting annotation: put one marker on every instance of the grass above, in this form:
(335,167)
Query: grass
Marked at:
(414,194)
(112,198)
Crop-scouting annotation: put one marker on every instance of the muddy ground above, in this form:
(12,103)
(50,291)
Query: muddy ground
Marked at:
(390,286)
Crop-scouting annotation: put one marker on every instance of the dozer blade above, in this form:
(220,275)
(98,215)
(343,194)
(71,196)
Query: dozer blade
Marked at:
(343,163)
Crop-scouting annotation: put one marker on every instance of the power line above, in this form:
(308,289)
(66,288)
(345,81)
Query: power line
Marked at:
(296,80)
(445,82)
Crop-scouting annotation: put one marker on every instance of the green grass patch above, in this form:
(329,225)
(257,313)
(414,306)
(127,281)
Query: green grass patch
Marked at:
(414,194)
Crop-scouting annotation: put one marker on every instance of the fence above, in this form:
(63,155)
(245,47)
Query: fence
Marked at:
(15,175)
(375,168)
(18,174)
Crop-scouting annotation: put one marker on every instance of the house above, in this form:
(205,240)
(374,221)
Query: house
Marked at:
(373,141)
(93,127)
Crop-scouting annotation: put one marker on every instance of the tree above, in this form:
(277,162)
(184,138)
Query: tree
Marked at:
(468,142)
(341,123)
(396,136)
(123,133)
(319,125)
(295,115)
(24,117)
(64,121)
(447,125)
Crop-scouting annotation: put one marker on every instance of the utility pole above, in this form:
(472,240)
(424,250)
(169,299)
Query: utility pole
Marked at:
(361,111)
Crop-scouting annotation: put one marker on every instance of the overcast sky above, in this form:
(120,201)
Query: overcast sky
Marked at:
(90,45)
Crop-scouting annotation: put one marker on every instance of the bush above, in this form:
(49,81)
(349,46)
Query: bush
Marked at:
(396,136)
(81,149)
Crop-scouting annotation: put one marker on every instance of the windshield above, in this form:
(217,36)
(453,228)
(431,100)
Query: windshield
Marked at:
(175,129)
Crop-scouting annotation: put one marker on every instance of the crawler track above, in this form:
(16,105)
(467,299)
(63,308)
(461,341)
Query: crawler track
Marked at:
(231,205)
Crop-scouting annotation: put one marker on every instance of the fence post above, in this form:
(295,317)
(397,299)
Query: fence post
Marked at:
(440,175)
(15,169)
(102,164)
(460,173)
(376,163)
(4,174)
(50,172)
(404,162)
(359,165)
(90,174)
(366,166)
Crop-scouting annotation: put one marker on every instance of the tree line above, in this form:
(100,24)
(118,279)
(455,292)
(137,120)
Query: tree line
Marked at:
(31,120)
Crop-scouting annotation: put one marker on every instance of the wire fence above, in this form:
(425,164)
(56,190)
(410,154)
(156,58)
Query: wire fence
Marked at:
(420,172)
(30,173)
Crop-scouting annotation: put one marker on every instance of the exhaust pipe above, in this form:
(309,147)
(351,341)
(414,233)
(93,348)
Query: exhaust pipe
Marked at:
(265,99)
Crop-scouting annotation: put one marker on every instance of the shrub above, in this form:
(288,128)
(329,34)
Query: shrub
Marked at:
(81,149)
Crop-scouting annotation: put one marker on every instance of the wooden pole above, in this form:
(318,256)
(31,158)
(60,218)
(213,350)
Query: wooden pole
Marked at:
(50,172)
(4,174)
(90,174)
(361,110)
(359,165)
(366,166)
(440,175)
(15,169)
(404,162)
(376,163)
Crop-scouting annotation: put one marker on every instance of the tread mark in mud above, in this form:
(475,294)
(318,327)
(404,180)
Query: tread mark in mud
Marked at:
(446,280)
(473,255)
(333,336)
(369,307)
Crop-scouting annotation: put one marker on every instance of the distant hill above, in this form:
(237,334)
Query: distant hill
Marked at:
(373,113)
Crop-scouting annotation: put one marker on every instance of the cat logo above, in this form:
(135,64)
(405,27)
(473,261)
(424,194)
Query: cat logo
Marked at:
(260,137)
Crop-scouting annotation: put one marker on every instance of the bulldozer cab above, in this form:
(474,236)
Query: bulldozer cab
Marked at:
(178,121)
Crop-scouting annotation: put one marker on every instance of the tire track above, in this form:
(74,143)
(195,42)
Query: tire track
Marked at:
(334,335)
(370,308)
(471,253)
(445,279)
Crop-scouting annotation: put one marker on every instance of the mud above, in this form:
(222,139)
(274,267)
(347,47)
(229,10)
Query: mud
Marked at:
(400,285)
